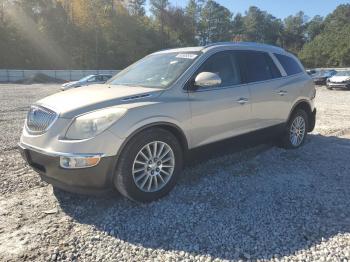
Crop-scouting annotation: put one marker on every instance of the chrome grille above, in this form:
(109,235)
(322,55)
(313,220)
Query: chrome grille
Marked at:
(39,119)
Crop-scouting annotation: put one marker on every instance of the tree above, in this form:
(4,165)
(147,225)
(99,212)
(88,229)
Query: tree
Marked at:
(339,18)
(293,37)
(85,34)
(192,12)
(238,27)
(215,23)
(258,26)
(177,23)
(136,7)
(158,9)
(331,47)
(314,28)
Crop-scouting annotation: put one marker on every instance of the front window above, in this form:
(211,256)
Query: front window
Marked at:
(87,78)
(157,70)
(324,73)
(225,66)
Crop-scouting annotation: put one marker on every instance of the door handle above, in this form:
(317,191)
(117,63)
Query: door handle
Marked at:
(242,100)
(282,92)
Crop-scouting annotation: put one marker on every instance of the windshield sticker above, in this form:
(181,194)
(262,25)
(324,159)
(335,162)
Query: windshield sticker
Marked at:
(186,56)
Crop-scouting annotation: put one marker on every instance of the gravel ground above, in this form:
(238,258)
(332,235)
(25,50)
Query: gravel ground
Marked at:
(250,203)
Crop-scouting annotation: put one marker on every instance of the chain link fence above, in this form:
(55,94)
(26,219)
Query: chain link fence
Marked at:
(10,75)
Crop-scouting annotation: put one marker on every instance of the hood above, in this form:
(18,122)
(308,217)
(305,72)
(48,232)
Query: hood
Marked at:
(339,79)
(81,100)
(70,83)
(319,77)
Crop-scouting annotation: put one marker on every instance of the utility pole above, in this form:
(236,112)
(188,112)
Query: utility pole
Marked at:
(96,47)
(2,12)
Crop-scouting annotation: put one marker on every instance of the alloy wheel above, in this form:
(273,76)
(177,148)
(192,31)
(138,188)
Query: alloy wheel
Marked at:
(153,166)
(297,131)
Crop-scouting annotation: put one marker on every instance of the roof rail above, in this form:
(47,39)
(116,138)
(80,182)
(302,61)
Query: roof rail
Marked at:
(245,44)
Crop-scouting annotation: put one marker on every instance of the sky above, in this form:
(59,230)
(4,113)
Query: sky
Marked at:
(278,8)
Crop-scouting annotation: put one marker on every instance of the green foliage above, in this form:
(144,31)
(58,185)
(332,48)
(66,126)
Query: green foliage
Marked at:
(293,36)
(63,34)
(259,26)
(314,27)
(215,23)
(331,47)
(136,7)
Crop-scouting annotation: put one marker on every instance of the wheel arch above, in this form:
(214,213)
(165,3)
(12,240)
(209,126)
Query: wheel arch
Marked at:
(305,105)
(173,128)
(170,127)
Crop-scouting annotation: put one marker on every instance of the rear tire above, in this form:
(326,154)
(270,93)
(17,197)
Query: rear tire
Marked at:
(296,130)
(149,165)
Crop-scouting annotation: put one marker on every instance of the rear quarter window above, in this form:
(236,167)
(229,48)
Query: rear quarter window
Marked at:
(290,65)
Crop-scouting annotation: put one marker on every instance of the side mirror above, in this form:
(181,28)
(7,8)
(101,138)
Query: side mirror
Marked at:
(207,79)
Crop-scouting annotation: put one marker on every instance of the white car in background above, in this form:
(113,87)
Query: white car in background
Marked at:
(340,80)
(88,80)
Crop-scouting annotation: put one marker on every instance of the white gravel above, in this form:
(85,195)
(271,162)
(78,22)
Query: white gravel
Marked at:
(256,203)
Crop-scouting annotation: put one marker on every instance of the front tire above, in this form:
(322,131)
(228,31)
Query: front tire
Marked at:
(149,165)
(296,130)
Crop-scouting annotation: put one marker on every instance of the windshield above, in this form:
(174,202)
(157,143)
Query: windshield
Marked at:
(324,73)
(158,70)
(85,78)
(343,73)
(319,73)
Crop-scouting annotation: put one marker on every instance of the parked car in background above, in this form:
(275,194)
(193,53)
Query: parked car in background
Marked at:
(320,77)
(311,71)
(339,80)
(88,80)
(133,133)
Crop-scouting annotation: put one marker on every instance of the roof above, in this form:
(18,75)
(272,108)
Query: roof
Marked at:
(102,74)
(246,45)
(182,49)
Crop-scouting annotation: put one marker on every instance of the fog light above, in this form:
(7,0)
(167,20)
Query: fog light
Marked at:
(79,161)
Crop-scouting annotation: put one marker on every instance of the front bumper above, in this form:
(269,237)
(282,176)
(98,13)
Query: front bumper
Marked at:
(338,85)
(89,180)
(320,81)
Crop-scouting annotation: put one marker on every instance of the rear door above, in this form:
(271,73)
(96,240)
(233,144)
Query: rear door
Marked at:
(100,79)
(223,111)
(270,100)
(106,78)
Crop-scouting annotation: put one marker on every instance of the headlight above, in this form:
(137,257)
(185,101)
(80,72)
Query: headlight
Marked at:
(94,123)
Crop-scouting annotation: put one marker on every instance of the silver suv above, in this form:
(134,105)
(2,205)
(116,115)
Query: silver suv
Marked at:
(132,133)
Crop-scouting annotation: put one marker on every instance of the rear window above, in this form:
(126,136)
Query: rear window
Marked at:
(258,66)
(289,64)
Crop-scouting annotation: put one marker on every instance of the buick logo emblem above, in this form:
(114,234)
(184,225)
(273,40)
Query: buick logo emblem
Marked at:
(33,113)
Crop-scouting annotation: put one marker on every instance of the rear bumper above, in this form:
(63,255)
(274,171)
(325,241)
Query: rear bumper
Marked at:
(91,180)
